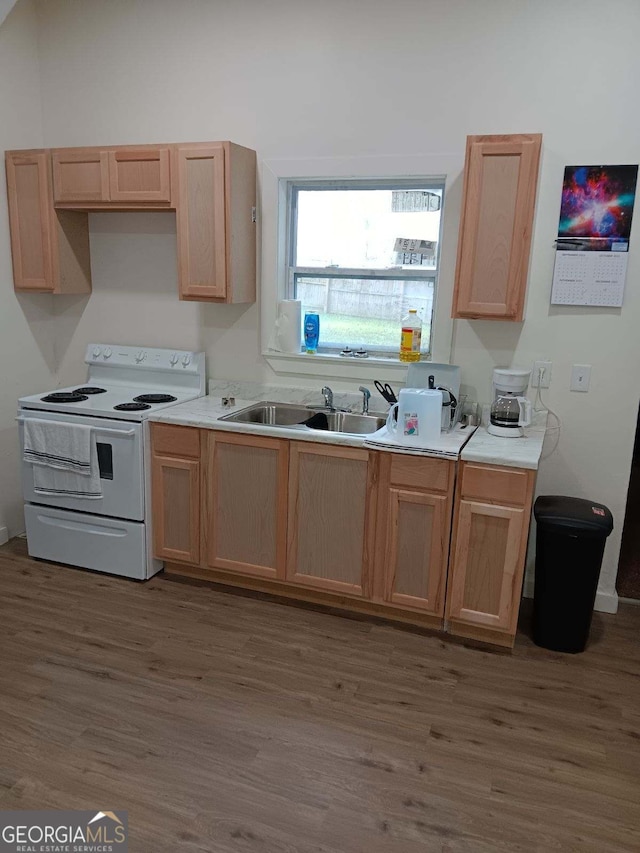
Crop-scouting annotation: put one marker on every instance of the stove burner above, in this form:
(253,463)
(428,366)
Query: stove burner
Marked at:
(132,407)
(90,389)
(64,397)
(155,398)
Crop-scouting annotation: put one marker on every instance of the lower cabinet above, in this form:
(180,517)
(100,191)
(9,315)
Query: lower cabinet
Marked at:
(489,549)
(413,530)
(331,498)
(175,497)
(246,516)
(367,530)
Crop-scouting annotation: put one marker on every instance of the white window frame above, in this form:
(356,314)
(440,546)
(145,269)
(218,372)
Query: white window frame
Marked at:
(273,177)
(416,273)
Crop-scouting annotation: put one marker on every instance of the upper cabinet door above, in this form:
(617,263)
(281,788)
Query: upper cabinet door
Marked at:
(500,180)
(29,192)
(139,175)
(80,175)
(199,195)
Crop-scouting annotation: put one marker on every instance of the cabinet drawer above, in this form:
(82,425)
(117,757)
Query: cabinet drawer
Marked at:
(420,472)
(500,485)
(175,440)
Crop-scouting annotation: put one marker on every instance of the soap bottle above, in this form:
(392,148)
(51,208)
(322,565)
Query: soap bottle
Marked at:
(311,331)
(411,336)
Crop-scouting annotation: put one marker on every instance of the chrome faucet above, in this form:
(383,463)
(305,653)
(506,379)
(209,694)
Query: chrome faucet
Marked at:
(366,396)
(327,393)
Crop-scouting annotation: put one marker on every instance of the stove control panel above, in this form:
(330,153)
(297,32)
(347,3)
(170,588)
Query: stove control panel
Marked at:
(149,358)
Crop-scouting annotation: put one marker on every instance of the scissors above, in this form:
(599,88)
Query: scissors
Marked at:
(387,391)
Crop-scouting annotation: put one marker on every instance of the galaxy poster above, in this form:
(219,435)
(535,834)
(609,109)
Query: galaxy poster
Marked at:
(597,208)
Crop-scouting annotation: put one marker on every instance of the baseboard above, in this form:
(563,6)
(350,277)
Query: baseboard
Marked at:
(4,535)
(606,602)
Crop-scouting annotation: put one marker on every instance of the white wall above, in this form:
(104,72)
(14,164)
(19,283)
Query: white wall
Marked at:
(302,79)
(5,7)
(26,329)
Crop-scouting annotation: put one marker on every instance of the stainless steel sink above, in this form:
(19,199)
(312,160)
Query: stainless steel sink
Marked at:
(271,414)
(346,422)
(291,415)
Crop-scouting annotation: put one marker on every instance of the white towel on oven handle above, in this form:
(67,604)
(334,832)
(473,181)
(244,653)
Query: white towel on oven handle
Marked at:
(64,458)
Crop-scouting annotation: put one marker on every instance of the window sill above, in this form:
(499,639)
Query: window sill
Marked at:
(336,366)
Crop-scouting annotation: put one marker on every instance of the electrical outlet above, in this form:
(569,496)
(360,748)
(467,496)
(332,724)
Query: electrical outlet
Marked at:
(545,366)
(580,377)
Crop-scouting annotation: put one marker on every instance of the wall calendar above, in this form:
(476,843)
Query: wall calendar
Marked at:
(589,278)
(593,235)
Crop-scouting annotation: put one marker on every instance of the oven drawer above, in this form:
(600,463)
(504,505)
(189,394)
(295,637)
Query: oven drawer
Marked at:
(90,541)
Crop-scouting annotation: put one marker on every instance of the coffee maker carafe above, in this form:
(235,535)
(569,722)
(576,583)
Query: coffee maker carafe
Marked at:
(510,409)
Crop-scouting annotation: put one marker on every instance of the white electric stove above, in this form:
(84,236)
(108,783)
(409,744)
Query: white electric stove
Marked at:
(124,386)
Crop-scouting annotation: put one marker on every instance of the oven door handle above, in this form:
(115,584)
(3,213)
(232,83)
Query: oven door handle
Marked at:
(120,432)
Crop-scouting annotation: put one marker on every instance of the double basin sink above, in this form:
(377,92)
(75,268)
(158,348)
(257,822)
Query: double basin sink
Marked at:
(304,417)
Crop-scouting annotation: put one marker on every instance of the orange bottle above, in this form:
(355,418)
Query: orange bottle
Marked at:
(411,336)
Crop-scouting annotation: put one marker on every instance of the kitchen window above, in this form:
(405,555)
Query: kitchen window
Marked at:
(361,253)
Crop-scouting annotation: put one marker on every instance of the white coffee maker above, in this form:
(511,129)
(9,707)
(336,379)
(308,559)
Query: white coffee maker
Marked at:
(510,409)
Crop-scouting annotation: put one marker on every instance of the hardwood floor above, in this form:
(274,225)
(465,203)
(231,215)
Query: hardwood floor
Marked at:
(232,723)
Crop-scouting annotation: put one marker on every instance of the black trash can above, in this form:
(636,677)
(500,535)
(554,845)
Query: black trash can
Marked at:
(570,542)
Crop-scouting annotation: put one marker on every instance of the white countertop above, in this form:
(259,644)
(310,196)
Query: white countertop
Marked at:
(521,452)
(205,413)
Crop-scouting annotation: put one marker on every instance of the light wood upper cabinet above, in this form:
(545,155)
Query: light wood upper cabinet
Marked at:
(413,529)
(50,249)
(139,175)
(331,506)
(175,492)
(211,186)
(200,222)
(496,224)
(246,515)
(104,178)
(214,187)
(80,175)
(488,553)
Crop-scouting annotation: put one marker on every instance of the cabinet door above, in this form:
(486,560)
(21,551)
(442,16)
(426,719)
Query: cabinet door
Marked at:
(486,578)
(500,179)
(199,194)
(176,508)
(80,174)
(30,220)
(247,504)
(417,549)
(139,175)
(331,490)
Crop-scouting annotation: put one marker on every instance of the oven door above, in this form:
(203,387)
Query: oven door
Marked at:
(120,457)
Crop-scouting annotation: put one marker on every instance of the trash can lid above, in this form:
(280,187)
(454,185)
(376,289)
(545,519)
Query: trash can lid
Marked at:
(567,514)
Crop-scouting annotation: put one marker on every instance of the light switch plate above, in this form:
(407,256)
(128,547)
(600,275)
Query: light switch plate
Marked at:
(535,373)
(580,377)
